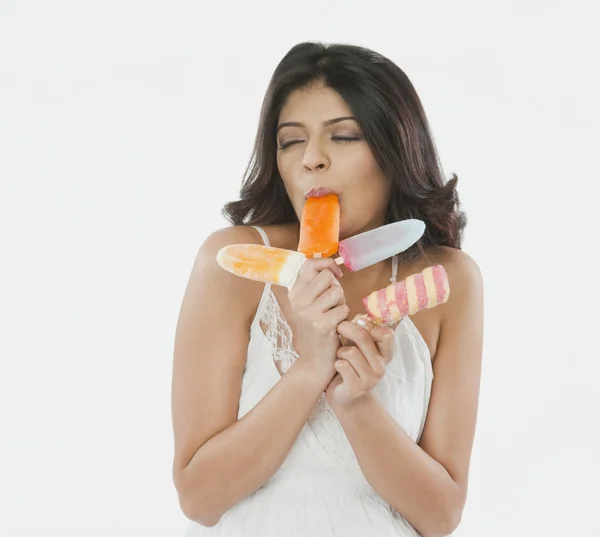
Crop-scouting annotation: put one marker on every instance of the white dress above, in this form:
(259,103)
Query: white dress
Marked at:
(320,491)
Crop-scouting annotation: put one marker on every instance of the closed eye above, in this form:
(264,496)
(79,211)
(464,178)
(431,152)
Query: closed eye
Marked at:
(285,145)
(342,139)
(345,138)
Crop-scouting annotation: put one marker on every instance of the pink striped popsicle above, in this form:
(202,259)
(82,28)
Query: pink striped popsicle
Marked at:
(424,290)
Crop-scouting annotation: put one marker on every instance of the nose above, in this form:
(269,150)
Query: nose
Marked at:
(315,159)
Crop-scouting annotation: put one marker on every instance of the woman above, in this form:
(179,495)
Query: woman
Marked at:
(288,418)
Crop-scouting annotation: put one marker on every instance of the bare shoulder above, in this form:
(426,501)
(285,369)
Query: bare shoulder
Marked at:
(466,290)
(283,235)
(226,236)
(207,273)
(453,259)
(464,276)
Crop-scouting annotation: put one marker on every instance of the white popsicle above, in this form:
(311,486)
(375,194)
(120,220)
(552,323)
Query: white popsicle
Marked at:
(378,244)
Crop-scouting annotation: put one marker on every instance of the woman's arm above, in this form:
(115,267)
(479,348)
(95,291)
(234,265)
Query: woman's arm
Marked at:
(219,460)
(427,483)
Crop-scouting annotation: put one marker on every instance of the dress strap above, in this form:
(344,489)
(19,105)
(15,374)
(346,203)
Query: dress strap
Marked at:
(263,235)
(394,269)
(260,310)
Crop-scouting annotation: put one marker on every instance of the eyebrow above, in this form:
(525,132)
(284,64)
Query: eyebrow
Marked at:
(326,123)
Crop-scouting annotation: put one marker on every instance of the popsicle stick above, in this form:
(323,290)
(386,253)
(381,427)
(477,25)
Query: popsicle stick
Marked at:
(338,260)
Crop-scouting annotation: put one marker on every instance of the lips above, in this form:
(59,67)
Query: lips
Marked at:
(319,192)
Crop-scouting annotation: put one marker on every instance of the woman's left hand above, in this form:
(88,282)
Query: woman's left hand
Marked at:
(361,363)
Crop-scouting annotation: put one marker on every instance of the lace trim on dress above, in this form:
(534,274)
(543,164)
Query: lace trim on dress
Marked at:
(278,332)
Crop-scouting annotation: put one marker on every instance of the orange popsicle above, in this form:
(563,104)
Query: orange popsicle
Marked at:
(320,225)
(261,263)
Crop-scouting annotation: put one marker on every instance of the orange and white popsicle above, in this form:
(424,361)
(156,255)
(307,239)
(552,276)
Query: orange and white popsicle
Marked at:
(424,290)
(262,263)
(320,224)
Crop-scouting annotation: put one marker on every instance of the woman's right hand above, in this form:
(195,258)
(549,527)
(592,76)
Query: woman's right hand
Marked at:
(318,306)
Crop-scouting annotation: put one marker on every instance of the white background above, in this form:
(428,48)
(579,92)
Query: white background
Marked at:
(125,126)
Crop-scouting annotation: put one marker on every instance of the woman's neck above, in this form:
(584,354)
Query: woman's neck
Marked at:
(368,279)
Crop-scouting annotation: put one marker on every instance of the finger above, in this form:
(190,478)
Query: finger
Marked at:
(362,338)
(358,336)
(358,362)
(306,292)
(337,315)
(321,283)
(364,316)
(336,378)
(327,322)
(330,298)
(312,267)
(349,376)
(344,340)
(384,338)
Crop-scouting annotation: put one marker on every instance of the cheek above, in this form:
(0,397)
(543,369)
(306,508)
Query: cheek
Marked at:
(368,176)
(286,167)
(293,189)
(284,172)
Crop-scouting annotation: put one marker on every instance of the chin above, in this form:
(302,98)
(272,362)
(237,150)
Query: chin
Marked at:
(347,231)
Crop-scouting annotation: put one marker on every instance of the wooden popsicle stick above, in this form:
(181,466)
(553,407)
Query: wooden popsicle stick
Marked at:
(338,260)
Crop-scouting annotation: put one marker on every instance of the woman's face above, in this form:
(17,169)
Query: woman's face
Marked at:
(319,145)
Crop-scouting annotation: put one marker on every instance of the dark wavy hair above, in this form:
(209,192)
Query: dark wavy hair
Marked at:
(394,124)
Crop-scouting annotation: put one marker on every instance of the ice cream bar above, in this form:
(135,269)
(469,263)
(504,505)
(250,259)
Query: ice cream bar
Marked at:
(320,225)
(262,263)
(378,244)
(424,290)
